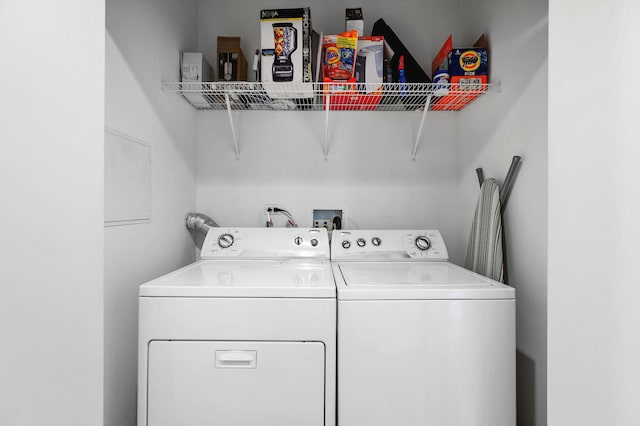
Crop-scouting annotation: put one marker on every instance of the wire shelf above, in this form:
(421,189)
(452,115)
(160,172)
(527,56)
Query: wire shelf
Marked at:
(246,96)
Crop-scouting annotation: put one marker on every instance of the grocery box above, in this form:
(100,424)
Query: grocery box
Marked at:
(232,64)
(194,67)
(468,69)
(286,49)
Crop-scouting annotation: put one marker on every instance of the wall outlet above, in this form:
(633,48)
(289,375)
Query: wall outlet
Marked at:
(330,219)
(268,208)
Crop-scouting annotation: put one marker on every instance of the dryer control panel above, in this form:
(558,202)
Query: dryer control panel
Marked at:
(424,245)
(266,243)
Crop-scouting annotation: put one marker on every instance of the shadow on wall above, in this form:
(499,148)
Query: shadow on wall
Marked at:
(525,390)
(143,50)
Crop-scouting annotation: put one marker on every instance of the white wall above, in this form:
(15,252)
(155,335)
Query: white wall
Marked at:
(373,179)
(51,207)
(143,42)
(593,216)
(514,122)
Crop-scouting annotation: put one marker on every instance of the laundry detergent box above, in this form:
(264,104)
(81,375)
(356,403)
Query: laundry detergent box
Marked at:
(468,68)
(286,49)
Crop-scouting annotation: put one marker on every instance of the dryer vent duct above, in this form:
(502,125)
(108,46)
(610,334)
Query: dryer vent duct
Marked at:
(199,224)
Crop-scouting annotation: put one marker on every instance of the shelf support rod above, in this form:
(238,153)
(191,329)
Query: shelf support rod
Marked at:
(327,104)
(424,115)
(233,129)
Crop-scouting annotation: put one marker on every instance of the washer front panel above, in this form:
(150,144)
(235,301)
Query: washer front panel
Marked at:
(426,362)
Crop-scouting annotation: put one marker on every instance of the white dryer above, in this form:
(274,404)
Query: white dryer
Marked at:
(421,341)
(244,337)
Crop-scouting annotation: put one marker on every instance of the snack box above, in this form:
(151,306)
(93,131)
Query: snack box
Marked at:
(286,49)
(468,69)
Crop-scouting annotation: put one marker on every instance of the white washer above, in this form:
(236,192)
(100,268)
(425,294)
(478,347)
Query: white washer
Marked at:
(420,341)
(246,336)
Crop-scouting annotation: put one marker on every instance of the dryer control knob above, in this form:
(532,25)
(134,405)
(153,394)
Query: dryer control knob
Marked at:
(298,241)
(314,242)
(361,242)
(225,240)
(346,244)
(423,243)
(376,241)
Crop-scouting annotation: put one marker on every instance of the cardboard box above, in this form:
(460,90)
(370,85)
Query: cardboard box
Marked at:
(232,65)
(286,50)
(468,69)
(354,20)
(370,62)
(194,67)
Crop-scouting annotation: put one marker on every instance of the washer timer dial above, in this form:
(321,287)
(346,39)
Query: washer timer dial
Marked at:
(422,243)
(426,245)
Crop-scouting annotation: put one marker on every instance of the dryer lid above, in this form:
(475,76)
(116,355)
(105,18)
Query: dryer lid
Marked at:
(286,278)
(414,280)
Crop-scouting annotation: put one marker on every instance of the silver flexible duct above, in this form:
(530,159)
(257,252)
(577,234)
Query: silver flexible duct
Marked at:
(200,223)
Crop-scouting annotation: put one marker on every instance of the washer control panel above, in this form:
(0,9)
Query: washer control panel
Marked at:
(266,243)
(426,245)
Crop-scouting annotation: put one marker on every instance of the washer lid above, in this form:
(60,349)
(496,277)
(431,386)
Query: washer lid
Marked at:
(288,278)
(414,281)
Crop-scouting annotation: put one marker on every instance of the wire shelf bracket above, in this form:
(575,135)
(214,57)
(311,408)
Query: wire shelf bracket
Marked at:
(419,135)
(233,129)
(326,126)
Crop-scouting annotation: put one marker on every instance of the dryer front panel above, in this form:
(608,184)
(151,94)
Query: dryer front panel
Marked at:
(236,383)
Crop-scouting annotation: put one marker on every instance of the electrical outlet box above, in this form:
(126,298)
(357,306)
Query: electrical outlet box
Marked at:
(330,219)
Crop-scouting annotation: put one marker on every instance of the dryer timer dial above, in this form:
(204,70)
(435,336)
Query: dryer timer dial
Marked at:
(225,241)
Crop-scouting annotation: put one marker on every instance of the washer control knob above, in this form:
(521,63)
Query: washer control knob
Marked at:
(225,241)
(346,244)
(298,241)
(361,242)
(376,241)
(423,243)
(314,242)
